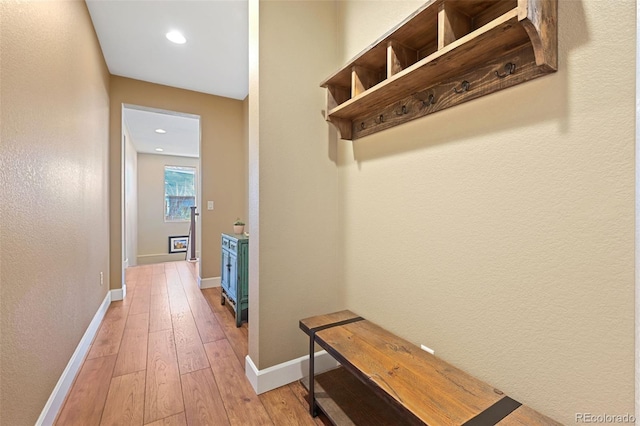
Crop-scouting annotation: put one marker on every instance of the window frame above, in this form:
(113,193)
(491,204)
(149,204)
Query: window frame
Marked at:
(178,168)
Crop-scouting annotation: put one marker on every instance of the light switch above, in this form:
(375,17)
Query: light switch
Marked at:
(209,205)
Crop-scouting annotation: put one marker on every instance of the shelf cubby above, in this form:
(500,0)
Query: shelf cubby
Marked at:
(445,53)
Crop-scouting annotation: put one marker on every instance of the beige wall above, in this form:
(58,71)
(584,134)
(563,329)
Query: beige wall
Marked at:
(153,231)
(501,232)
(221,154)
(253,179)
(131,200)
(293,181)
(54,203)
(245,160)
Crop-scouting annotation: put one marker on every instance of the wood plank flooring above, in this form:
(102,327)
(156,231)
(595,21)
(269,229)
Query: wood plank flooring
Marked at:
(171,355)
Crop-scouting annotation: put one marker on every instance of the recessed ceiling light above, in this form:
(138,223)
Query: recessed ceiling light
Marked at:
(159,149)
(161,131)
(176,37)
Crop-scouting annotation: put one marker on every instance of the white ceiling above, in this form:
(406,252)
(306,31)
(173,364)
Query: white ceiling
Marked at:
(214,59)
(182,137)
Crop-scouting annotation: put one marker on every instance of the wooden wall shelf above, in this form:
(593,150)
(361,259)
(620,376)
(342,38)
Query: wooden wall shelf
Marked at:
(445,53)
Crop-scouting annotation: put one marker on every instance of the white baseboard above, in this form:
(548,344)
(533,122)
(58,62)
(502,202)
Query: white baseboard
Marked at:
(208,282)
(119,293)
(287,372)
(56,399)
(147,259)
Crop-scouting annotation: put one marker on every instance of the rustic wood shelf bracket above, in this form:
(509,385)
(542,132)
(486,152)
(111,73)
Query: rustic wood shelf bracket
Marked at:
(343,126)
(446,53)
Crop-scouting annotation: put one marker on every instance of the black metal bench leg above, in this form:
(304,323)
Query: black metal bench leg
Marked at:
(313,407)
(312,387)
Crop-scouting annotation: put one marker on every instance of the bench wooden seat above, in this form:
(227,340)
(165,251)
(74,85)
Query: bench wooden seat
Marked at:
(422,388)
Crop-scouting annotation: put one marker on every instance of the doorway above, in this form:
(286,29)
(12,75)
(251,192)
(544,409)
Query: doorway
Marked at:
(161,180)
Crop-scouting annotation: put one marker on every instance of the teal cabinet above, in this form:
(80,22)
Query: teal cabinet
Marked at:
(234,275)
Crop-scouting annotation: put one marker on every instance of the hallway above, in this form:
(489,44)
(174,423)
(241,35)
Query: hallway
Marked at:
(170,354)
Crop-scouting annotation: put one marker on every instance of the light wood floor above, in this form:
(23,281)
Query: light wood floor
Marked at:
(170,354)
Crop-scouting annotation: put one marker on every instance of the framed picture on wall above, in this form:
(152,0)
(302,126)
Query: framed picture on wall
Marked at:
(178,244)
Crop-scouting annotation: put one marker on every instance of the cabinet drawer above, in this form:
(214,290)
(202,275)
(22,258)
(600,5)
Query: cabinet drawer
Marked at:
(230,245)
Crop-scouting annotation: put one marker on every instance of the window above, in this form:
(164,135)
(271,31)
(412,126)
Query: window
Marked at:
(179,193)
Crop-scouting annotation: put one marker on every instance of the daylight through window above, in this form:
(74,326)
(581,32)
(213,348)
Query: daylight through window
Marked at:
(179,193)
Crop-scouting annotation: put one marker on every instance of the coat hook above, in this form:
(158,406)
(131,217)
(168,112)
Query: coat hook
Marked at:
(465,85)
(403,111)
(431,100)
(379,119)
(362,126)
(509,68)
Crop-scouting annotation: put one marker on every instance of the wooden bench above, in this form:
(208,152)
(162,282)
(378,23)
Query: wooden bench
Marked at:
(422,388)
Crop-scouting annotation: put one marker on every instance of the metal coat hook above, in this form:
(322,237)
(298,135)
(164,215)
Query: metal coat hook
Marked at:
(465,85)
(379,119)
(402,111)
(362,126)
(430,100)
(509,68)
